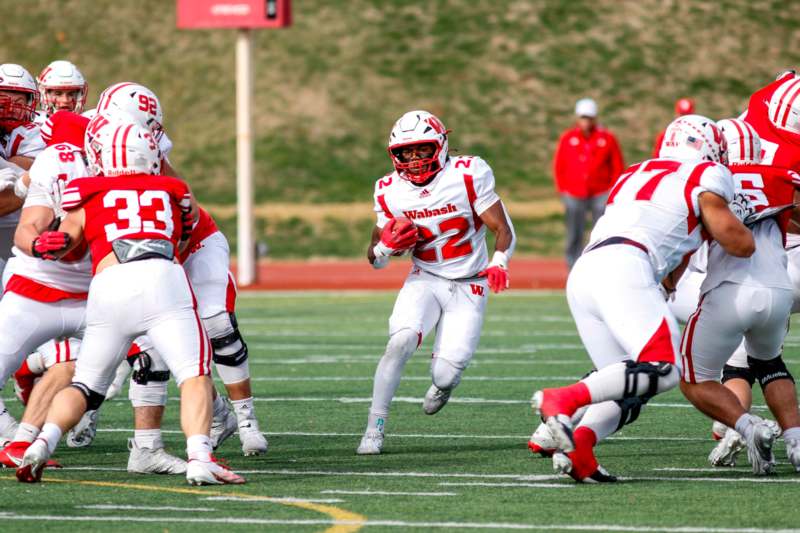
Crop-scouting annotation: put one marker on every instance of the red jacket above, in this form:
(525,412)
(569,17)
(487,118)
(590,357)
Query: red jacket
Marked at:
(585,167)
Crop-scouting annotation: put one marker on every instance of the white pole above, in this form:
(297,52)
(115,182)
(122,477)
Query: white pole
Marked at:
(245,249)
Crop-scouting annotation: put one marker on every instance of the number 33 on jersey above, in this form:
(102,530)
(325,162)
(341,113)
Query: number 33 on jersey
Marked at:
(447,213)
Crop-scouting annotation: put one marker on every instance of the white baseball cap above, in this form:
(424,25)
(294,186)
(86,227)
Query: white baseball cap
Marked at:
(586,107)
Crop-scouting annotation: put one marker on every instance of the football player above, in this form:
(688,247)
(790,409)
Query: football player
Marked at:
(451,201)
(62,87)
(655,215)
(132,225)
(748,298)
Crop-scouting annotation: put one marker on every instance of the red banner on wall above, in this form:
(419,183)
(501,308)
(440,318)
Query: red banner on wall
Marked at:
(233,13)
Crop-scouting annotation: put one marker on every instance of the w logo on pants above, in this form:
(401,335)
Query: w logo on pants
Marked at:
(476,289)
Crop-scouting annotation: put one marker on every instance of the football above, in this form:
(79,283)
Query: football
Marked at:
(404,225)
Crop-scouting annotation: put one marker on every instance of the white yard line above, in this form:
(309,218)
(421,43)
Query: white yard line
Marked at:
(103,507)
(285,499)
(516,485)
(395,523)
(416,378)
(388,493)
(334,359)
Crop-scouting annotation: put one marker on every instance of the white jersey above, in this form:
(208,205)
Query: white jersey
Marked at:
(25,140)
(655,203)
(56,166)
(447,213)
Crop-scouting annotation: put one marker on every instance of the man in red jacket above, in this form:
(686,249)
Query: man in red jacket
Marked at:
(587,162)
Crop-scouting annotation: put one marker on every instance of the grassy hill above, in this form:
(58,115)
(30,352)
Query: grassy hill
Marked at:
(502,74)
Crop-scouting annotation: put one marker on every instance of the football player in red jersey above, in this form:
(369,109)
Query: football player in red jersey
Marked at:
(132,221)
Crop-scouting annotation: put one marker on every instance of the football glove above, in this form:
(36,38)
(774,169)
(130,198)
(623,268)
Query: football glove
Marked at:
(741,207)
(497,272)
(187,225)
(397,236)
(48,242)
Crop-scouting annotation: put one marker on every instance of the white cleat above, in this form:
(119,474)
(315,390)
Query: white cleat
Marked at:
(210,473)
(371,443)
(561,463)
(84,432)
(121,376)
(253,441)
(8,428)
(33,462)
(718,430)
(223,425)
(759,448)
(435,399)
(727,449)
(793,453)
(153,461)
(560,426)
(542,441)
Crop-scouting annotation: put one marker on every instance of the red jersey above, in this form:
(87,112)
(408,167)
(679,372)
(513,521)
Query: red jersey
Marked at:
(779,148)
(205,226)
(128,207)
(767,186)
(587,166)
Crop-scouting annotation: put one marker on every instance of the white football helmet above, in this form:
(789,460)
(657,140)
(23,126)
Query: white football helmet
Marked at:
(15,78)
(61,75)
(784,105)
(418,127)
(694,138)
(136,100)
(132,150)
(744,144)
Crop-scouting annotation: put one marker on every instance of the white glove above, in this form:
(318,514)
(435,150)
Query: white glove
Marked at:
(741,207)
(8,178)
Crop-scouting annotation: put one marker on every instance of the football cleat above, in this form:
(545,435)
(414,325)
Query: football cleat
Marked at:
(153,461)
(371,443)
(760,441)
(33,462)
(718,430)
(435,399)
(793,452)
(210,473)
(85,430)
(11,455)
(223,425)
(253,441)
(8,427)
(542,441)
(726,450)
(559,424)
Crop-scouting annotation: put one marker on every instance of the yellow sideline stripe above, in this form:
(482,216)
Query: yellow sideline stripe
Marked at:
(334,512)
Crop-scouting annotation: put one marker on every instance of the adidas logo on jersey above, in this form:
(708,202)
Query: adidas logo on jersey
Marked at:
(425,193)
(427,213)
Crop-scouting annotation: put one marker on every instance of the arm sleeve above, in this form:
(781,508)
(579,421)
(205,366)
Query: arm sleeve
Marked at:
(558,165)
(617,161)
(483,180)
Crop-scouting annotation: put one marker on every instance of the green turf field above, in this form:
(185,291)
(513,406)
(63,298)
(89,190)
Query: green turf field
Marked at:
(467,468)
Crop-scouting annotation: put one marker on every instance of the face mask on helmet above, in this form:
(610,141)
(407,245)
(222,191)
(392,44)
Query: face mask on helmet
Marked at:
(744,144)
(136,101)
(784,105)
(418,146)
(18,96)
(694,138)
(131,150)
(62,87)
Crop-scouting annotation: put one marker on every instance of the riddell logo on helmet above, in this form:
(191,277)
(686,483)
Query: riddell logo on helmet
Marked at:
(427,213)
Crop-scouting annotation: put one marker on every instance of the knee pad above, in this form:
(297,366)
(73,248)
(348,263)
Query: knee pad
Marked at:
(402,344)
(151,394)
(228,344)
(445,374)
(145,371)
(734,372)
(656,377)
(631,408)
(768,371)
(93,399)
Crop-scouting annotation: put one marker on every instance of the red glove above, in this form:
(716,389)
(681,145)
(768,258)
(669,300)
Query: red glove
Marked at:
(48,242)
(398,235)
(187,225)
(497,272)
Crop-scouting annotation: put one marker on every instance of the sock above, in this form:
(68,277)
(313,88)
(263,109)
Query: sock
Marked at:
(148,438)
(26,432)
(243,410)
(199,447)
(745,424)
(792,433)
(602,418)
(608,383)
(51,434)
(376,422)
